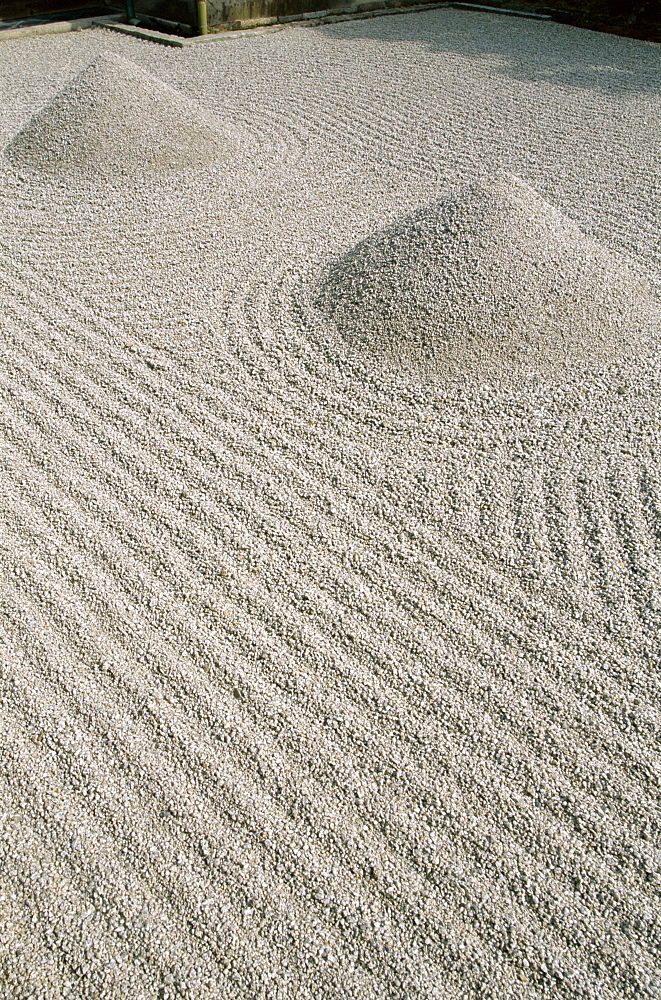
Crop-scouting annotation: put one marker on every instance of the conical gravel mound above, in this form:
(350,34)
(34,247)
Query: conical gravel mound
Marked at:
(491,276)
(115,118)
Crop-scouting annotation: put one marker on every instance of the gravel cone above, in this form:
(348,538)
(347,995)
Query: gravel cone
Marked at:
(115,118)
(491,276)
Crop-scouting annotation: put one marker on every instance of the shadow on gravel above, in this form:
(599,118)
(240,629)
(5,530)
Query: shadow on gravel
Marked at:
(527,50)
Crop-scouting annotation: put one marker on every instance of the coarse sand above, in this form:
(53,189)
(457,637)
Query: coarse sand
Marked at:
(326,674)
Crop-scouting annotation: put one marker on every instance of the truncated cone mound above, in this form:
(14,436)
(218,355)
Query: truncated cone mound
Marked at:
(115,118)
(491,276)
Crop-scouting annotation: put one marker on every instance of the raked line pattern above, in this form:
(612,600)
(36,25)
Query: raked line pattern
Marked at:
(268,709)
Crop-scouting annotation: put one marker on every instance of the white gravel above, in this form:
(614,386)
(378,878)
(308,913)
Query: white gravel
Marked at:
(324,676)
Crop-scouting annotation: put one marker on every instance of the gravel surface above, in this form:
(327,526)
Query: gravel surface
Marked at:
(321,676)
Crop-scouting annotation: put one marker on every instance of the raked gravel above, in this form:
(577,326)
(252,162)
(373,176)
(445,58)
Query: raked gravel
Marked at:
(324,676)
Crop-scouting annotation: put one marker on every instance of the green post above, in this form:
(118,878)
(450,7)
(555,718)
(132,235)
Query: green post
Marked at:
(202,28)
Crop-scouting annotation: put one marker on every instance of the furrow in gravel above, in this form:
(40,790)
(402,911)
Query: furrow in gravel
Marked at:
(189,888)
(497,613)
(247,805)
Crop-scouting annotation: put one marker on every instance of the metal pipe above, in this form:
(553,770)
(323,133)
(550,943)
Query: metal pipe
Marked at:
(202,27)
